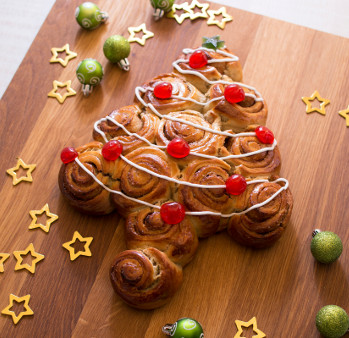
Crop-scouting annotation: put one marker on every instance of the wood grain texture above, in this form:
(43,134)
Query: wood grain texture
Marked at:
(282,286)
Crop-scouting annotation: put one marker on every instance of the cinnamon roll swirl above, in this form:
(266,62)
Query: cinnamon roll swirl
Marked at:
(135,121)
(264,164)
(142,185)
(261,227)
(80,189)
(147,229)
(145,279)
(212,71)
(180,87)
(206,172)
(236,116)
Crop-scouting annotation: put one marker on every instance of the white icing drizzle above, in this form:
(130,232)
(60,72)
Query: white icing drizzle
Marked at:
(231,58)
(193,213)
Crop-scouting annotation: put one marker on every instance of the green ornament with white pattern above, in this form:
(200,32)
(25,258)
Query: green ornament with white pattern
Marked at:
(161,7)
(184,328)
(90,73)
(89,16)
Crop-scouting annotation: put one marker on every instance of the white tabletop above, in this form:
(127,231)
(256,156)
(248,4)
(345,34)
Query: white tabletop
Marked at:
(21,21)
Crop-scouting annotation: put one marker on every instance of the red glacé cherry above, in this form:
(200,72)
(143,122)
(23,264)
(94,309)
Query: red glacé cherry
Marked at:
(163,90)
(172,212)
(198,59)
(264,135)
(234,93)
(68,155)
(178,148)
(235,185)
(112,150)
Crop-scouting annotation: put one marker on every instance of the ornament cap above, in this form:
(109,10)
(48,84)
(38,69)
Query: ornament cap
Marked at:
(166,329)
(315,232)
(158,13)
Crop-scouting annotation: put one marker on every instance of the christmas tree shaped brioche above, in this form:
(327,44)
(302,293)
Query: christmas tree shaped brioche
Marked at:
(190,157)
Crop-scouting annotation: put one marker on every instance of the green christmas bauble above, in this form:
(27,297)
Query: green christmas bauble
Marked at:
(89,16)
(165,5)
(332,321)
(326,247)
(89,72)
(184,328)
(116,48)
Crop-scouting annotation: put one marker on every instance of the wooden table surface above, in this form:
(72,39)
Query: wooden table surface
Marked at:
(283,287)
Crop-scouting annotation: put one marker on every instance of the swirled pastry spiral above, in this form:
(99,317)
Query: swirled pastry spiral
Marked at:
(261,227)
(215,71)
(180,87)
(236,116)
(147,229)
(145,279)
(80,189)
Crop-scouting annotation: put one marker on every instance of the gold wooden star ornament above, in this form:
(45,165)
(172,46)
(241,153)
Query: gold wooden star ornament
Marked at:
(74,255)
(69,55)
(16,318)
(34,215)
(3,258)
(13,172)
(53,93)
(146,34)
(309,100)
(203,7)
(252,322)
(212,17)
(345,114)
(187,12)
(30,249)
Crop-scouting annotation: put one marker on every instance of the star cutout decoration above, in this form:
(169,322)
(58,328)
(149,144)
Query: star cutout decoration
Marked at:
(146,34)
(27,178)
(345,114)
(203,7)
(253,322)
(34,213)
(188,12)
(221,24)
(74,255)
(58,96)
(212,43)
(3,258)
(309,100)
(69,55)
(28,311)
(31,268)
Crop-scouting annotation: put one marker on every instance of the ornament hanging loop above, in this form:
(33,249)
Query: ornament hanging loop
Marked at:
(124,64)
(87,89)
(167,329)
(158,13)
(315,232)
(104,16)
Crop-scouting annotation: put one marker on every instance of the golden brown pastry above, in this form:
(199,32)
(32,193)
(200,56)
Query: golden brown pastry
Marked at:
(264,164)
(135,121)
(147,229)
(145,279)
(261,227)
(236,116)
(213,71)
(80,189)
(206,172)
(180,87)
(141,185)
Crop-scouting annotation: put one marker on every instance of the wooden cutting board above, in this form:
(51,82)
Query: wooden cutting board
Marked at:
(283,287)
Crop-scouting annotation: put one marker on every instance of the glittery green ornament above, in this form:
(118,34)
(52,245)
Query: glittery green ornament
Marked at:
(116,49)
(90,73)
(184,328)
(332,321)
(89,16)
(161,7)
(326,246)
